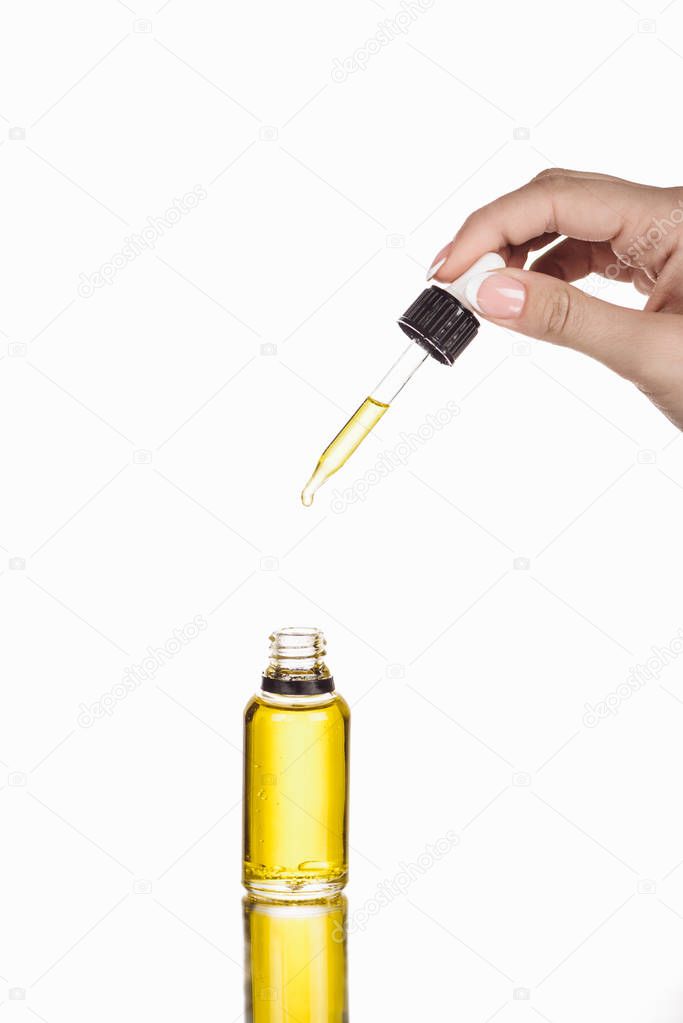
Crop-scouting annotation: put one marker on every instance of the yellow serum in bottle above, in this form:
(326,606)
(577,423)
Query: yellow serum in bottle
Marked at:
(296,773)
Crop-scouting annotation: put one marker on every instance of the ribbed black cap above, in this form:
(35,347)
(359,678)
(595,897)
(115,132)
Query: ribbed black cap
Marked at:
(440,324)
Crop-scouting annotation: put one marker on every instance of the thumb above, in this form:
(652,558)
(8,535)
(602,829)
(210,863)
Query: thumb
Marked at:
(625,340)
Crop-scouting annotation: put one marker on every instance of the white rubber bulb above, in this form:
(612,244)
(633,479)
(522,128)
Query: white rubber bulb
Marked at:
(489,261)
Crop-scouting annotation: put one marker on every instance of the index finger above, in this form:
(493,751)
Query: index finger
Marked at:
(584,206)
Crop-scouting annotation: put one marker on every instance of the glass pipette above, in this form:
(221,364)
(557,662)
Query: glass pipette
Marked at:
(439,323)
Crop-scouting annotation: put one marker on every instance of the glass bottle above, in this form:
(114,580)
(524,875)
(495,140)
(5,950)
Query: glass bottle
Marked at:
(296,748)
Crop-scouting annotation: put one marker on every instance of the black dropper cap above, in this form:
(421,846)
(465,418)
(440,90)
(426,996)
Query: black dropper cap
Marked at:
(440,324)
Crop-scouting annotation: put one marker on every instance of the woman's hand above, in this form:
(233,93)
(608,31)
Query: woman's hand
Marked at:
(621,230)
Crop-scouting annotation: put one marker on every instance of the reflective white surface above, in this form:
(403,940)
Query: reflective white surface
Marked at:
(503,551)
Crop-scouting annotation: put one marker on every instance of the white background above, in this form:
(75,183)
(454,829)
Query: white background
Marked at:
(468,676)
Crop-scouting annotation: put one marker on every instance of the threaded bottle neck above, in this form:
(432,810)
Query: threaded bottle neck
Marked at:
(296,662)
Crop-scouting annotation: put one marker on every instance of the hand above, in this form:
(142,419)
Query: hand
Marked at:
(621,230)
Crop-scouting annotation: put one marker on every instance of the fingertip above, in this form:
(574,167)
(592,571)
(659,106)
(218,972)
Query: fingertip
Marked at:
(451,267)
(465,259)
(435,267)
(453,260)
(439,262)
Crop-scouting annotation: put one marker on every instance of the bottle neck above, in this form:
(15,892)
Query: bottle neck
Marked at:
(296,665)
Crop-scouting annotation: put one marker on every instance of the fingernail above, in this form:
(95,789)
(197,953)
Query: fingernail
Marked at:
(439,260)
(495,295)
(435,267)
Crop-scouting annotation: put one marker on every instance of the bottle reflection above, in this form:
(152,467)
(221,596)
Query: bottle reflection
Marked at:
(295,956)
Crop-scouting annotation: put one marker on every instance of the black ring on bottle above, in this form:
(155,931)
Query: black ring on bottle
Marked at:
(297,686)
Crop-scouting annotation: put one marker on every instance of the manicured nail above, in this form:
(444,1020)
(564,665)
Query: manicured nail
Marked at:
(439,260)
(495,295)
(435,267)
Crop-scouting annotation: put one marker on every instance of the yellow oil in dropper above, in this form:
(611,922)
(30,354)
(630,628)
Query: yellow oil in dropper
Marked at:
(343,446)
(363,420)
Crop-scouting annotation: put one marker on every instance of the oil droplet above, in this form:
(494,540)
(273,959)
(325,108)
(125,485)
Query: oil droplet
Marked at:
(307,496)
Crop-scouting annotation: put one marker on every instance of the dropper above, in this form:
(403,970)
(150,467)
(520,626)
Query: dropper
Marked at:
(440,323)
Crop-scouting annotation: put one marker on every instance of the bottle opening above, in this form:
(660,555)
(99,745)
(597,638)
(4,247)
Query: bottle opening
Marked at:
(297,662)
